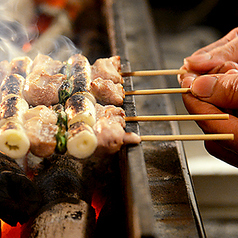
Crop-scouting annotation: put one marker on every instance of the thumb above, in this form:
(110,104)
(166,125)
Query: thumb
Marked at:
(206,60)
(220,90)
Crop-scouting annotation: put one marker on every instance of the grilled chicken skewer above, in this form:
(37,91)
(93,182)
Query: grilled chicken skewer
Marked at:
(79,107)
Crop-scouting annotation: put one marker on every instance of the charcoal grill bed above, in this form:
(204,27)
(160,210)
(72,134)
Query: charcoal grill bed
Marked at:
(158,189)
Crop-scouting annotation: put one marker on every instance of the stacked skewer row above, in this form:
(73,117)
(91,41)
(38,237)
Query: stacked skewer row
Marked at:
(49,106)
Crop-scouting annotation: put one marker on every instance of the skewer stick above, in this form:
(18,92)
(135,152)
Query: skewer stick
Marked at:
(158,91)
(154,72)
(187,137)
(179,117)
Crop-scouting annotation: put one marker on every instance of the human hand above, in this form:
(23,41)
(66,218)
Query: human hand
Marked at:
(216,91)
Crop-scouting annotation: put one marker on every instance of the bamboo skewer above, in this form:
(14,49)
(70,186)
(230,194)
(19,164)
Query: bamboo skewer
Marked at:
(198,117)
(187,137)
(154,72)
(158,91)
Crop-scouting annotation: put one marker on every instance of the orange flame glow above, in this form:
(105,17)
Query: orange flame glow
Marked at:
(10,231)
(97,203)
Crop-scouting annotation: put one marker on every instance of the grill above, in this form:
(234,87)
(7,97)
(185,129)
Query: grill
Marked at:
(146,190)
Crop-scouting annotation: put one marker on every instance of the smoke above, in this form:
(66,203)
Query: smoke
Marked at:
(19,35)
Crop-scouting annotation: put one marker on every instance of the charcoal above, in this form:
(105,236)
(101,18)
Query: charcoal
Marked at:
(19,196)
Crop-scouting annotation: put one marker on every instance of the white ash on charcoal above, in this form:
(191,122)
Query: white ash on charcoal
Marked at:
(20,198)
(66,198)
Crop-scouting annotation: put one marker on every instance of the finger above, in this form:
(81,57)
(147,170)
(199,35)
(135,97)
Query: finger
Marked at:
(216,149)
(220,90)
(223,68)
(196,106)
(181,77)
(206,61)
(224,40)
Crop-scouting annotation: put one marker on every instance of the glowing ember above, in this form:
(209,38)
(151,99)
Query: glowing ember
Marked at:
(98,202)
(10,231)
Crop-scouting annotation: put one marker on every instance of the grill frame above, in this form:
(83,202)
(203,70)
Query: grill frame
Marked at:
(164,196)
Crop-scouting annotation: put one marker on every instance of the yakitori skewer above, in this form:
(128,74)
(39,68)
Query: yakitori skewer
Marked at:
(158,91)
(187,137)
(154,72)
(197,117)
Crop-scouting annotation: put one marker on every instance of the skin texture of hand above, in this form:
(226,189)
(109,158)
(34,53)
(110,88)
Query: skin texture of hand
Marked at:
(213,79)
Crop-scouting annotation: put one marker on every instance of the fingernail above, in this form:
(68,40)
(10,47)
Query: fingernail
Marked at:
(198,58)
(203,86)
(187,81)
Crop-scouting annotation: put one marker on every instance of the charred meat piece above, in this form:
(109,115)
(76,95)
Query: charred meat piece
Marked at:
(107,92)
(21,65)
(108,69)
(47,64)
(19,196)
(42,88)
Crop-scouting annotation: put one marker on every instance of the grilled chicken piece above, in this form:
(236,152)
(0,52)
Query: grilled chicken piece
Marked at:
(47,64)
(107,92)
(47,115)
(42,88)
(81,142)
(111,112)
(12,84)
(111,136)
(108,68)
(21,65)
(41,136)
(109,130)
(40,126)
(79,108)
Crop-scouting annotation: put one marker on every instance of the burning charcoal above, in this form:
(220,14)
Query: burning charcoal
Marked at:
(65,208)
(66,220)
(19,196)
(60,180)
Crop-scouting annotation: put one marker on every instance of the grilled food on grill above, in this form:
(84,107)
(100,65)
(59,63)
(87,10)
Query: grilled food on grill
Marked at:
(75,128)
(41,128)
(12,84)
(13,139)
(81,141)
(80,109)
